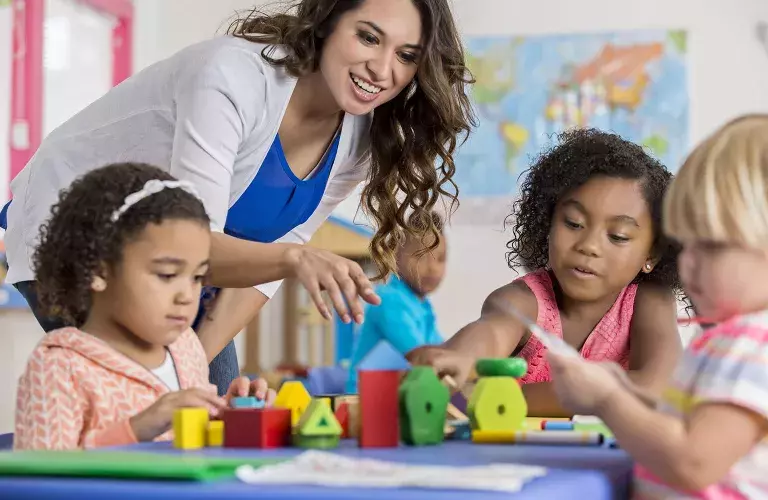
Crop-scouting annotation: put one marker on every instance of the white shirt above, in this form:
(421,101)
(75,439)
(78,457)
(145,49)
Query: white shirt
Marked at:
(208,114)
(167,373)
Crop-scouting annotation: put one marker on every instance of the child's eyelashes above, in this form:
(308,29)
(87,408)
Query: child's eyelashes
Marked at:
(166,276)
(617,238)
(572,224)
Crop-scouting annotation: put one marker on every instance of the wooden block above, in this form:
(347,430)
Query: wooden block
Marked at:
(257,428)
(293,396)
(318,427)
(455,414)
(318,420)
(247,402)
(353,429)
(331,399)
(379,427)
(342,416)
(497,404)
(327,402)
(189,428)
(316,442)
(215,433)
(423,401)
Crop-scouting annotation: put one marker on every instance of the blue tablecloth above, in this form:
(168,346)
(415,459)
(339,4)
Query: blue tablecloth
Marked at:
(588,473)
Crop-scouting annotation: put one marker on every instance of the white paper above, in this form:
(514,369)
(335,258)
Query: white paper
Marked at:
(329,469)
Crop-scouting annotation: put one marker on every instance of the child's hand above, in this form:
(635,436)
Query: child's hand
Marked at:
(243,387)
(444,361)
(157,419)
(582,386)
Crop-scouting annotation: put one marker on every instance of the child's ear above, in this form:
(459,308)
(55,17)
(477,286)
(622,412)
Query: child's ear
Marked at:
(99,280)
(649,265)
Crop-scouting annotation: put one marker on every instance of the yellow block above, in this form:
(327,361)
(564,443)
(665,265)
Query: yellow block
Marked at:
(189,428)
(216,433)
(294,396)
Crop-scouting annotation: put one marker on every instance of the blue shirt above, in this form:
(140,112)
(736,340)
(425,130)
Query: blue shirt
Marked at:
(402,322)
(275,202)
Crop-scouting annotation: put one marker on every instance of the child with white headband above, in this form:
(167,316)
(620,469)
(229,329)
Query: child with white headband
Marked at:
(122,259)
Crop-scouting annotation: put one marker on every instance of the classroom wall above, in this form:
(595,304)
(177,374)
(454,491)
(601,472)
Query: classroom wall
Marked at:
(728,75)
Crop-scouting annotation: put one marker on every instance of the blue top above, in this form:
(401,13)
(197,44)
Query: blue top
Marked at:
(275,202)
(403,322)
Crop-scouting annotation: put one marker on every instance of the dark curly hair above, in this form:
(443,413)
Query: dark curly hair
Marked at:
(580,155)
(413,136)
(80,238)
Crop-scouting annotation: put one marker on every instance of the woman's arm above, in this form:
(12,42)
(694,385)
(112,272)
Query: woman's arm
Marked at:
(232,310)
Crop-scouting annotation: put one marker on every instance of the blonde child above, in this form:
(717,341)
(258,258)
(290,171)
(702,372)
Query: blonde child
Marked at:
(122,260)
(602,276)
(706,439)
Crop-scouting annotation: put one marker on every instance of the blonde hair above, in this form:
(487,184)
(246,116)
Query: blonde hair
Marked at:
(721,192)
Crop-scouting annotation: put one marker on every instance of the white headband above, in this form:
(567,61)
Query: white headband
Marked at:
(152,187)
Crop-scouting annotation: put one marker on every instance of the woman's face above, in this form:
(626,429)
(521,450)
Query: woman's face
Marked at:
(372,54)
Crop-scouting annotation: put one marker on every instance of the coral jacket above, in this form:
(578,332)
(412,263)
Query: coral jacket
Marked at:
(78,392)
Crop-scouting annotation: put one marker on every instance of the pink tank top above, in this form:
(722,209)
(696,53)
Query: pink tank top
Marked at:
(609,341)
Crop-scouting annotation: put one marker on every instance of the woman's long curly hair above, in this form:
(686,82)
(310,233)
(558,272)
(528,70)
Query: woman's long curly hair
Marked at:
(413,136)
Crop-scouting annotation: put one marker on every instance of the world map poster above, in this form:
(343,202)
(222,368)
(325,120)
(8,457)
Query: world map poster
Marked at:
(530,88)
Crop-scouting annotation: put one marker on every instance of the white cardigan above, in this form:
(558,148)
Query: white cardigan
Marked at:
(208,114)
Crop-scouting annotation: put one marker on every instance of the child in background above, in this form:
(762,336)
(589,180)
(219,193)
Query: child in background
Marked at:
(404,320)
(602,276)
(122,259)
(707,438)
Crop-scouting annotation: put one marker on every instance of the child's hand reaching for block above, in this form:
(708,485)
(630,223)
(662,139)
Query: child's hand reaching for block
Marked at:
(243,387)
(158,418)
(444,361)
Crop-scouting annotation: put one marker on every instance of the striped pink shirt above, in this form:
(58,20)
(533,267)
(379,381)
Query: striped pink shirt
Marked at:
(727,363)
(78,392)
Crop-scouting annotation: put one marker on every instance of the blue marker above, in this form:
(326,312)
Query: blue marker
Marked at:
(557,425)
(247,402)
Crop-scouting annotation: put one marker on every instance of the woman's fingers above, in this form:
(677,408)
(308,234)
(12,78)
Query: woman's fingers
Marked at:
(331,287)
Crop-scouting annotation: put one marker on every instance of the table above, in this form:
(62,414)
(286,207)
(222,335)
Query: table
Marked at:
(578,472)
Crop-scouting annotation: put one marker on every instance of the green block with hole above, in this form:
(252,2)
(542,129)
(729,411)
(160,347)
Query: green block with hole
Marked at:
(423,403)
(318,420)
(497,404)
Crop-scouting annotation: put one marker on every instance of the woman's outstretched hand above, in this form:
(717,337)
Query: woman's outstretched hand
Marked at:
(343,280)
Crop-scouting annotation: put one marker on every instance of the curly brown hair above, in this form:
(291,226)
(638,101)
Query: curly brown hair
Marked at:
(80,239)
(413,136)
(578,156)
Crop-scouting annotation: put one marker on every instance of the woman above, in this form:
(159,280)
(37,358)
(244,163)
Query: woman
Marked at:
(274,125)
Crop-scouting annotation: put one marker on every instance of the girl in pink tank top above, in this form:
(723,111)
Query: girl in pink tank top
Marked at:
(602,275)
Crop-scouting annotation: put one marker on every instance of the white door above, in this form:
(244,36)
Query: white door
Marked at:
(77,59)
